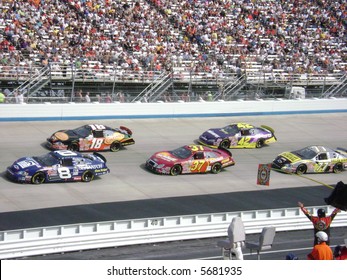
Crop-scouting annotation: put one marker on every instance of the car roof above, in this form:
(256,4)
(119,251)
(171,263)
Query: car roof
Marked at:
(243,125)
(200,148)
(320,149)
(69,154)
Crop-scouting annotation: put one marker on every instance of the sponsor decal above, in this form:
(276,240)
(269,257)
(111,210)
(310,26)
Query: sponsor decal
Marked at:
(166,156)
(27,163)
(291,157)
(92,166)
(61,136)
(213,133)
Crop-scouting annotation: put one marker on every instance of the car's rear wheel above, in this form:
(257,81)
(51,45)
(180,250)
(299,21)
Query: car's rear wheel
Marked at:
(225,144)
(301,169)
(87,176)
(176,170)
(338,168)
(115,146)
(216,168)
(74,146)
(38,178)
(260,143)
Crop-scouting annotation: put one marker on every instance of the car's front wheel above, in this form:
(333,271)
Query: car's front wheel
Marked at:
(176,170)
(87,176)
(301,169)
(216,168)
(115,146)
(38,178)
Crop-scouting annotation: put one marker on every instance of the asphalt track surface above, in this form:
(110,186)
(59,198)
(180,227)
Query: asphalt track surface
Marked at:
(131,192)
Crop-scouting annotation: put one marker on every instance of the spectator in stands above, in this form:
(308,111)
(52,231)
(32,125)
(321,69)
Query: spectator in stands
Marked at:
(321,222)
(321,251)
(108,98)
(87,97)
(79,96)
(2,97)
(219,35)
(340,252)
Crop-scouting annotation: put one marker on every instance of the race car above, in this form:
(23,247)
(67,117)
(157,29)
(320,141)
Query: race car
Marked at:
(311,159)
(57,166)
(190,159)
(91,137)
(238,135)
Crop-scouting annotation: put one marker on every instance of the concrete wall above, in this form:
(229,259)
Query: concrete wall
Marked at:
(81,111)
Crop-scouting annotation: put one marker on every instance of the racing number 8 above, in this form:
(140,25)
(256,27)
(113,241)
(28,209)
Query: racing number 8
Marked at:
(64,173)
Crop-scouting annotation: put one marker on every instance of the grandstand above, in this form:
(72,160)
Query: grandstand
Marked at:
(163,51)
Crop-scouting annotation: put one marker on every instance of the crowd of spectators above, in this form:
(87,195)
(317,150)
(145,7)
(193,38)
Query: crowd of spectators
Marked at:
(295,36)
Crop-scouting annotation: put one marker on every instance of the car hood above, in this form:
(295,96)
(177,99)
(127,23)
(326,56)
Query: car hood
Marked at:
(214,133)
(25,164)
(164,157)
(64,135)
(290,157)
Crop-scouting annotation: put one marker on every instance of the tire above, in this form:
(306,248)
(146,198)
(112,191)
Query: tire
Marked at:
(337,168)
(87,176)
(176,170)
(216,168)
(38,178)
(301,169)
(74,146)
(115,146)
(225,144)
(260,143)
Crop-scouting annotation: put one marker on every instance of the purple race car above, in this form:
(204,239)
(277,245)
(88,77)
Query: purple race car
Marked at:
(238,135)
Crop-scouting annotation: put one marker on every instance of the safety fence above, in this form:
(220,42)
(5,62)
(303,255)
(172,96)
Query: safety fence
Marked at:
(86,236)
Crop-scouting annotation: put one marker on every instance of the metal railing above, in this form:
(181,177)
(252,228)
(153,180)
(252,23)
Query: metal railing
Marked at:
(153,84)
(65,238)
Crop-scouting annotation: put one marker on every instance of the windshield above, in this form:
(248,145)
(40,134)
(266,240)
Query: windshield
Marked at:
(47,160)
(181,152)
(230,129)
(305,153)
(82,131)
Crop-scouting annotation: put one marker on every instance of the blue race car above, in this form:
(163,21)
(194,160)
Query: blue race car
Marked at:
(58,166)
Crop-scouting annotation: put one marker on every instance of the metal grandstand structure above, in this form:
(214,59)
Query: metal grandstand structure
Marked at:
(40,84)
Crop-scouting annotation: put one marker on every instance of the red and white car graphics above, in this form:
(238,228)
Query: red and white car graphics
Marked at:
(190,159)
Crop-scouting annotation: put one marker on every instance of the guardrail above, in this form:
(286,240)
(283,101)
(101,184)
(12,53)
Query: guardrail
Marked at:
(76,237)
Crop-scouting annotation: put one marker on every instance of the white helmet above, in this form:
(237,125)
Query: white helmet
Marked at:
(322,236)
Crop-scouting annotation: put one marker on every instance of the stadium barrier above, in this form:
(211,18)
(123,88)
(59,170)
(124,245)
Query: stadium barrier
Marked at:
(90,111)
(75,237)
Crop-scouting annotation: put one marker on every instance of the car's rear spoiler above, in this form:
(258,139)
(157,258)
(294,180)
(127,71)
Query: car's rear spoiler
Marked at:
(268,128)
(100,156)
(341,149)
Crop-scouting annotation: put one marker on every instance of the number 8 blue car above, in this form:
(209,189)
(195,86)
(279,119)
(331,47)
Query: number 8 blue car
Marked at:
(58,166)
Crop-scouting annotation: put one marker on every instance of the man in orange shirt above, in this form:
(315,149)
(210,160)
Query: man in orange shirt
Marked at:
(321,251)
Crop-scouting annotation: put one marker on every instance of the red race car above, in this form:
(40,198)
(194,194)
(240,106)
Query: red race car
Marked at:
(190,159)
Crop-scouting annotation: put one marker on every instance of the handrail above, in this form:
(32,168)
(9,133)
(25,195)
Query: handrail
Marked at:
(65,238)
(336,88)
(151,87)
(60,71)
